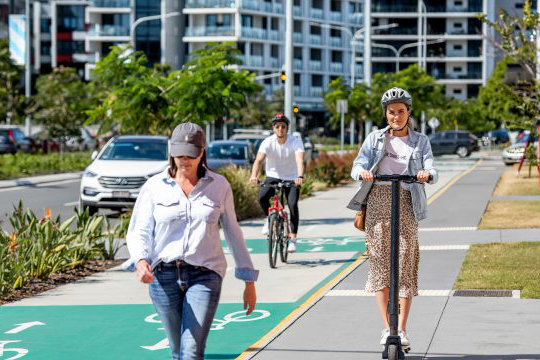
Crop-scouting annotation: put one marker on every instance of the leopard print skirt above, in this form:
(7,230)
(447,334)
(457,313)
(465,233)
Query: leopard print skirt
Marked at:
(378,220)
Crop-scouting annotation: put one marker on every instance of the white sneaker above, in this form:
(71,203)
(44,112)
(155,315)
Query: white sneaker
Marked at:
(404,339)
(384,335)
(292,246)
(264,230)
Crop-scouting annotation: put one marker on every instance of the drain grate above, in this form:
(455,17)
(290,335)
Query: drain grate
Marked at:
(484,293)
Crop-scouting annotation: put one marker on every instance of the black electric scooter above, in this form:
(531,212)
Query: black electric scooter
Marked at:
(393,349)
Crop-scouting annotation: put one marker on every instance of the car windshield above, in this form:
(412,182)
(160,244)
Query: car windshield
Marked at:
(227,151)
(136,150)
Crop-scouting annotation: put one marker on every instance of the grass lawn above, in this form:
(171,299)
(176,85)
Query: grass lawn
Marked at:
(511,214)
(511,185)
(502,267)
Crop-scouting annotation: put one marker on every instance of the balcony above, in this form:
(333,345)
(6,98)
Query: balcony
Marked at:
(254,33)
(397,31)
(316,91)
(297,10)
(274,35)
(317,13)
(297,91)
(442,9)
(109,30)
(210,31)
(110,3)
(298,38)
(298,64)
(315,65)
(335,16)
(197,4)
(278,8)
(315,39)
(274,62)
(394,8)
(441,75)
(335,41)
(356,19)
(255,60)
(336,67)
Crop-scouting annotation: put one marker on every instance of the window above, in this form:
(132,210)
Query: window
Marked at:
(70,47)
(70,18)
(337,56)
(458,25)
(247,21)
(458,3)
(317,80)
(456,91)
(297,53)
(519,6)
(315,30)
(458,69)
(45,48)
(274,51)
(458,47)
(335,33)
(316,54)
(45,25)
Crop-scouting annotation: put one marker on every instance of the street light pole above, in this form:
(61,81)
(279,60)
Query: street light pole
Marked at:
(27,67)
(289,75)
(397,52)
(147,18)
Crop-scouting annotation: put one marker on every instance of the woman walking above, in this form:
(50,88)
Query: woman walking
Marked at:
(175,246)
(396,149)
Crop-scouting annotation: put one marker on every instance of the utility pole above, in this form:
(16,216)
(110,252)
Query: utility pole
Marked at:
(289,80)
(27,68)
(367,55)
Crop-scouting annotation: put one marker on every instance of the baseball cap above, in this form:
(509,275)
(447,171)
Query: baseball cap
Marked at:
(187,139)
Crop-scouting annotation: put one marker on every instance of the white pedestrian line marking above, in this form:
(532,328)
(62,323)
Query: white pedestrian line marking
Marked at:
(364,293)
(463,228)
(444,247)
(72,203)
(23,326)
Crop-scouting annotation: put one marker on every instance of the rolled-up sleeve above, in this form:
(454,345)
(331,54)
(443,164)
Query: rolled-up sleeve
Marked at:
(140,233)
(361,162)
(235,240)
(427,159)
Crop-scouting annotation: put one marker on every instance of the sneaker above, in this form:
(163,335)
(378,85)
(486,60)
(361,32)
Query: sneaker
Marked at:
(404,339)
(292,246)
(384,335)
(264,230)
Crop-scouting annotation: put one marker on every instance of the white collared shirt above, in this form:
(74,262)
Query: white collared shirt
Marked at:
(167,225)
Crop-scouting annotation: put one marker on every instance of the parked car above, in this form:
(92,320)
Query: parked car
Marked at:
(221,153)
(82,142)
(114,179)
(6,145)
(499,136)
(513,153)
(459,142)
(22,142)
(253,136)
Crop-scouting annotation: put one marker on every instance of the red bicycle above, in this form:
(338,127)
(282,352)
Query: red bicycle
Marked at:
(278,224)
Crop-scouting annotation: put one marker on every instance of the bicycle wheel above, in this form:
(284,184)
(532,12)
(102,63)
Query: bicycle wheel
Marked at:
(393,353)
(283,244)
(273,239)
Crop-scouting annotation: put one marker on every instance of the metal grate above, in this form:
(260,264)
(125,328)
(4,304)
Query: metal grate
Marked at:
(484,293)
(121,182)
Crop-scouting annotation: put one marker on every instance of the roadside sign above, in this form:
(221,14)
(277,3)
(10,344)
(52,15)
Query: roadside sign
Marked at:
(342,106)
(434,123)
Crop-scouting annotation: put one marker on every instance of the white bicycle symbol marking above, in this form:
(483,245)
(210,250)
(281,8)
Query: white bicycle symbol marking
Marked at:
(322,241)
(218,324)
(20,352)
(239,316)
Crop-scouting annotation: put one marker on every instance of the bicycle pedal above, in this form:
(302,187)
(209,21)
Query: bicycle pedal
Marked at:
(406,349)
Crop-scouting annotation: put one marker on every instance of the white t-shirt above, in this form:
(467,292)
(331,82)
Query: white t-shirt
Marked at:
(280,158)
(396,158)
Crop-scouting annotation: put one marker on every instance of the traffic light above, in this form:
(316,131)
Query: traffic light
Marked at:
(283,77)
(295,109)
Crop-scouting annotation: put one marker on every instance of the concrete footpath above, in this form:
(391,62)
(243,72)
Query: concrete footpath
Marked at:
(344,323)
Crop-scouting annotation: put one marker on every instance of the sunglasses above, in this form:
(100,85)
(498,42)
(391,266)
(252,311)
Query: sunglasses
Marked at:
(280,126)
(186,157)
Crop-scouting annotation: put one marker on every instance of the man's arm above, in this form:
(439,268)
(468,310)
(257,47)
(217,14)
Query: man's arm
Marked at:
(299,157)
(257,168)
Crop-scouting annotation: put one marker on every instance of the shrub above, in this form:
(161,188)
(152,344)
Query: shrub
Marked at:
(332,169)
(23,165)
(246,196)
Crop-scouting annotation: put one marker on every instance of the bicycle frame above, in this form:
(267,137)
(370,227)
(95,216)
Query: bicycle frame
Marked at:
(277,208)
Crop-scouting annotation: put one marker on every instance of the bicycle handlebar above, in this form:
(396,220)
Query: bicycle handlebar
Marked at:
(281,184)
(405,178)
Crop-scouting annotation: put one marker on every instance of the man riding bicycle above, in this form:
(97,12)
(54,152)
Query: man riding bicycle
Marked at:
(284,162)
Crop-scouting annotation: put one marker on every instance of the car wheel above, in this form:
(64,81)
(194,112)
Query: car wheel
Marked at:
(462,151)
(92,210)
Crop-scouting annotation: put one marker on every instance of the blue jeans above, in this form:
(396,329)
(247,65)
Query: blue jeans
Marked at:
(186,298)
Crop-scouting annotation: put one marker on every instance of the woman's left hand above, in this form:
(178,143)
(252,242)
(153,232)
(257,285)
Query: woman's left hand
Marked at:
(423,176)
(250,297)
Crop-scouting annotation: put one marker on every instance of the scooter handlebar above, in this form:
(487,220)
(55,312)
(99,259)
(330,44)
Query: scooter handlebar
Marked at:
(395,177)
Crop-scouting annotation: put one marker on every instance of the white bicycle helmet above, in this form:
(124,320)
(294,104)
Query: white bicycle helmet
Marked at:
(396,95)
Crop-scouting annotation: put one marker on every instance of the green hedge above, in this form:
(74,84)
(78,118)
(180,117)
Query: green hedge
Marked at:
(24,165)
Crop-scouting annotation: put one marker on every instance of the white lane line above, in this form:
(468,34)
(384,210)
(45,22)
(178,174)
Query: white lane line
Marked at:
(444,247)
(359,293)
(29,186)
(72,203)
(437,229)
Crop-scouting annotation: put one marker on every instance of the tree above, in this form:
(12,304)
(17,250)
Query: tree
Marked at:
(130,96)
(61,102)
(11,98)
(209,86)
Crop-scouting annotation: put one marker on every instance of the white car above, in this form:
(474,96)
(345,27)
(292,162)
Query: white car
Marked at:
(513,153)
(113,180)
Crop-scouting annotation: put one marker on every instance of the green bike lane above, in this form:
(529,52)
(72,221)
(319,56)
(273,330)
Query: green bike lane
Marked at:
(133,331)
